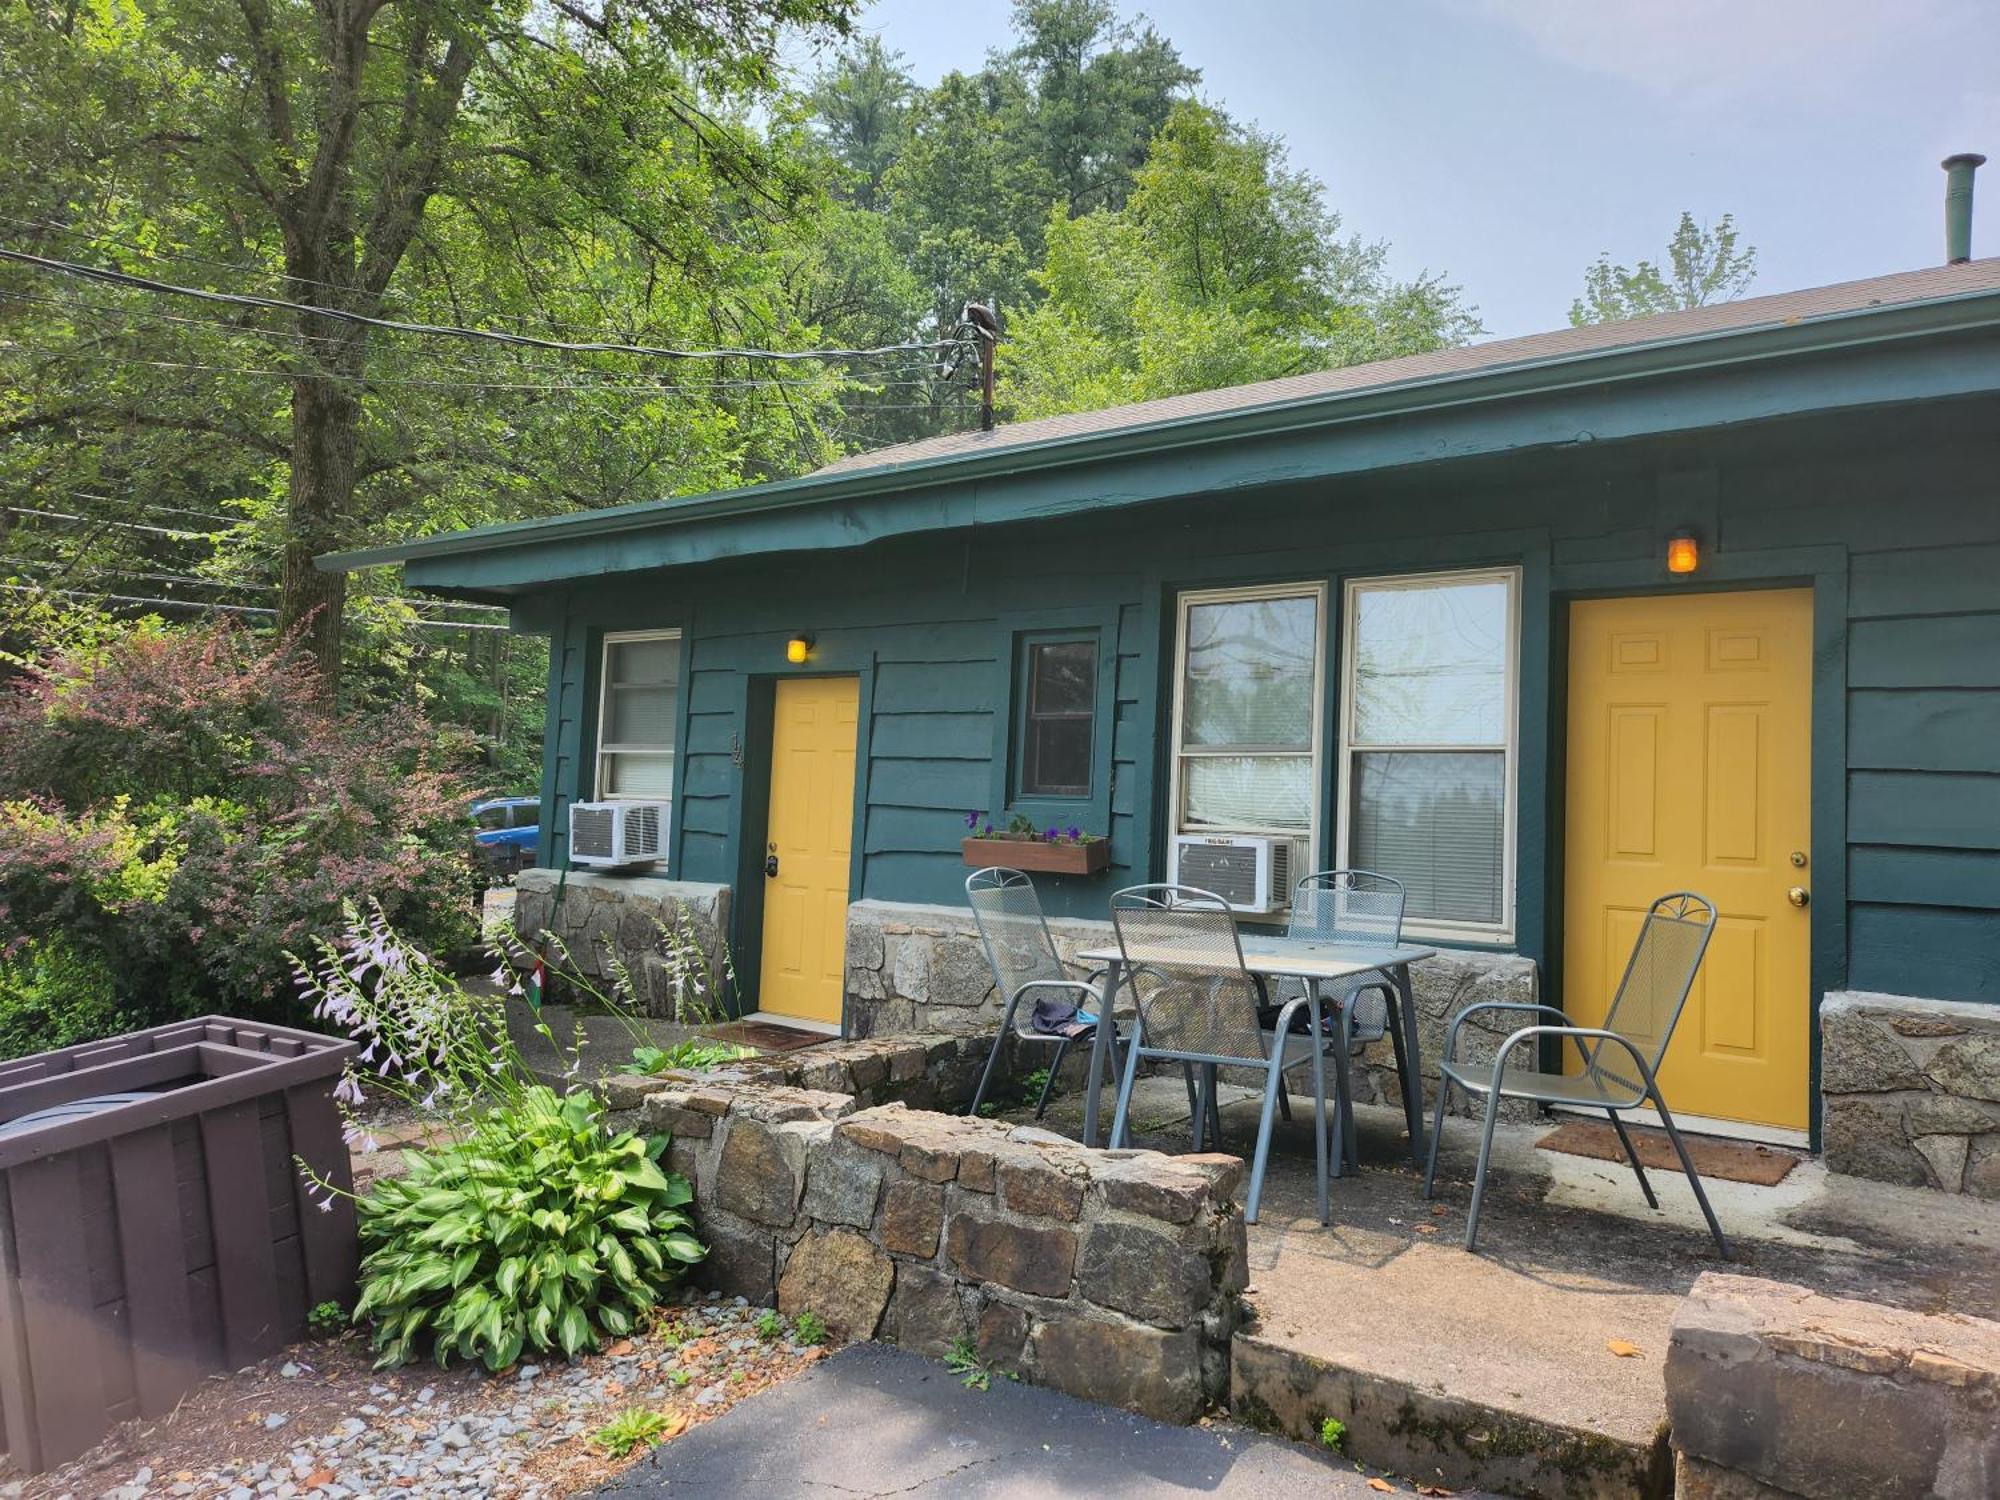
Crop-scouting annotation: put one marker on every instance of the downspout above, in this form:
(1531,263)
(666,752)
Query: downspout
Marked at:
(1958,172)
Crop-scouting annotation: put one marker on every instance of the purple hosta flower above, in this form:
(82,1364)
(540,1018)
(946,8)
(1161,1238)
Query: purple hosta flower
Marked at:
(499,975)
(348,1090)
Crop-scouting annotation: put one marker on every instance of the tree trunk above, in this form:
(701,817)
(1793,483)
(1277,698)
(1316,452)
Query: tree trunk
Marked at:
(326,418)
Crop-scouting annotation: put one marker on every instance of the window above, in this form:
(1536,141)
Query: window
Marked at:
(637,714)
(1246,711)
(1059,716)
(1427,744)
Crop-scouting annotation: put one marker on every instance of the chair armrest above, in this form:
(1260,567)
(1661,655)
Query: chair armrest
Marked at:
(1573,1032)
(1459,1020)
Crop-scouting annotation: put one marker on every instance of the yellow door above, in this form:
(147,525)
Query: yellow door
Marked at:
(813,735)
(1689,769)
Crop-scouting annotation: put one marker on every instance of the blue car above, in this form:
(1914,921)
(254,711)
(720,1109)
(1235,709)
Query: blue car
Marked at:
(506,831)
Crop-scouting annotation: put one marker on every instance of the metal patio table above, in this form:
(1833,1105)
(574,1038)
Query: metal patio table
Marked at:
(1279,957)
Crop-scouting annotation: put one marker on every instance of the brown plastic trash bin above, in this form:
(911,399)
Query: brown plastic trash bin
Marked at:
(153,1226)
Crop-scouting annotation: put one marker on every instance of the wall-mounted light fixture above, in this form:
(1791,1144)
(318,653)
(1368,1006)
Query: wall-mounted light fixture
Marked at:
(798,648)
(1683,553)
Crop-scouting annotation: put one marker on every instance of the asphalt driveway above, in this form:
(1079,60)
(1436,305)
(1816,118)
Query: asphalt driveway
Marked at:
(876,1421)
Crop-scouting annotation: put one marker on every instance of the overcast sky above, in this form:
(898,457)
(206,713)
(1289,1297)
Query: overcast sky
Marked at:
(1506,142)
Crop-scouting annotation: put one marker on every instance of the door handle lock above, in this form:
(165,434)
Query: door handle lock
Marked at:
(1798,895)
(771,867)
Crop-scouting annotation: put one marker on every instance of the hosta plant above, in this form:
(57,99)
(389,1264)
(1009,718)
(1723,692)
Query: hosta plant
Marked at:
(541,1230)
(534,1226)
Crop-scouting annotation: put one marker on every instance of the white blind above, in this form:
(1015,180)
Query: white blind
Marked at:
(1247,791)
(1436,820)
(628,775)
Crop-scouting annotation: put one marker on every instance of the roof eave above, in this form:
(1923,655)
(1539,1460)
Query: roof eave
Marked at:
(1964,312)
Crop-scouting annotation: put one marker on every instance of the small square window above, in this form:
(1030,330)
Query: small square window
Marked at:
(1059,718)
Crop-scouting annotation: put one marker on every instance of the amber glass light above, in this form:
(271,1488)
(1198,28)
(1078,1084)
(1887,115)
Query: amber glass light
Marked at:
(1683,556)
(797,649)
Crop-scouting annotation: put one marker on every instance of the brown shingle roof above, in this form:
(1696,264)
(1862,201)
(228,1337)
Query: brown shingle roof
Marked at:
(1753,312)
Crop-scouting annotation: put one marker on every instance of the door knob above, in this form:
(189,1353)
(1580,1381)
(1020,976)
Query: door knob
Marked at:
(1798,895)
(771,866)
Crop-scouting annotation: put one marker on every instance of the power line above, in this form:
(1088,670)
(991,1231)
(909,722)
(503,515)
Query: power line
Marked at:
(214,604)
(238,267)
(247,586)
(442,330)
(69,516)
(916,375)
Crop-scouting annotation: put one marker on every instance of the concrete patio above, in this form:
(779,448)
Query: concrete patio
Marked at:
(1533,1366)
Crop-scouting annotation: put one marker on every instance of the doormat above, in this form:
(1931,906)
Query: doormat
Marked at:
(1731,1161)
(768,1036)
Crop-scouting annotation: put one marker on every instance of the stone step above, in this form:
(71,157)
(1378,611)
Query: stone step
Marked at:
(1450,1439)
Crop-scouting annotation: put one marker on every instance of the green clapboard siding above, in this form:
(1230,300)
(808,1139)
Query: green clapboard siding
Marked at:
(1893,512)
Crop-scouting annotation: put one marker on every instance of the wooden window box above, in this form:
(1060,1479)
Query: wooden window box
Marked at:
(153,1226)
(1038,857)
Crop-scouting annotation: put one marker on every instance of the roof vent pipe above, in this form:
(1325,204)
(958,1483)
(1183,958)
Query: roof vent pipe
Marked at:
(1958,172)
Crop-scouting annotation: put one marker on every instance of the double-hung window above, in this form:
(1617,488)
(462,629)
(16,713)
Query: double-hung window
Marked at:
(637,714)
(1247,711)
(1427,744)
(1058,695)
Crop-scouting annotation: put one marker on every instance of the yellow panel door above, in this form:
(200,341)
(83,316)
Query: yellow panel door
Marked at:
(813,737)
(1690,744)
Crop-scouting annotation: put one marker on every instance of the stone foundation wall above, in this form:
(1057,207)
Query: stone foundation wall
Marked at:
(917,968)
(669,936)
(1777,1393)
(1910,1091)
(1110,1275)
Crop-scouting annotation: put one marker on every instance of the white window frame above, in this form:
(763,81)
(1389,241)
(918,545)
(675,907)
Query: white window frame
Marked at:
(600,780)
(1185,601)
(1481,932)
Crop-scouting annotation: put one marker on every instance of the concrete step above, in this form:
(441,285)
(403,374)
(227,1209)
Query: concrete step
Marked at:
(1446,1437)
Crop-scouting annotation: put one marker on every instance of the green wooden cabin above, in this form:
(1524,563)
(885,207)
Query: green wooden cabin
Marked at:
(1416,615)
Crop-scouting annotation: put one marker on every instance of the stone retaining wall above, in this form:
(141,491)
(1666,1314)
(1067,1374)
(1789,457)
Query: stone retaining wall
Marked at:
(1777,1393)
(1110,1275)
(669,936)
(917,968)
(1911,1091)
(922,1072)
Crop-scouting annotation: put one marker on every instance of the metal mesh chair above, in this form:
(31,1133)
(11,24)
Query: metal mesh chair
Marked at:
(1198,1004)
(1347,906)
(1025,963)
(1621,1058)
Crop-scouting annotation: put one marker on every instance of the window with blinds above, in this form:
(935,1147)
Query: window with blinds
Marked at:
(638,712)
(1246,719)
(1427,732)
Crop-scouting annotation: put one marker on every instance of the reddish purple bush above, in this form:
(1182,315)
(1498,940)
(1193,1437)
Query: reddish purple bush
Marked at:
(183,805)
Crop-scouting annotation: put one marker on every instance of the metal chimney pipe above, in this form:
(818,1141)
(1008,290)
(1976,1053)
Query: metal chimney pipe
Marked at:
(1958,172)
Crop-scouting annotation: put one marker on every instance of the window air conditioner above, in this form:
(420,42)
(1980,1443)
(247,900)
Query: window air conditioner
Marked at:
(618,833)
(1251,873)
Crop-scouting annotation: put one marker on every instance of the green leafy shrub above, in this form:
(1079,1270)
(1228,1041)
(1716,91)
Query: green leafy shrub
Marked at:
(769,1325)
(182,808)
(541,1229)
(535,1225)
(1332,1433)
(327,1320)
(53,994)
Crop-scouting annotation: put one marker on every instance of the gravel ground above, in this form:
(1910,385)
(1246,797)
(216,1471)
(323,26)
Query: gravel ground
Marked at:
(321,1423)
